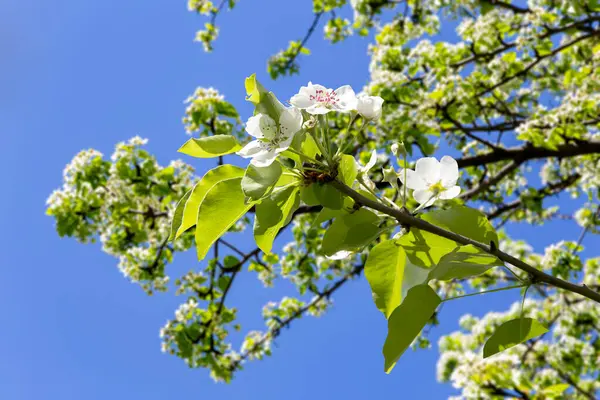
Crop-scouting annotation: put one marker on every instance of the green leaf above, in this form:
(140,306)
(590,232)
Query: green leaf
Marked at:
(336,237)
(348,169)
(210,146)
(308,195)
(426,249)
(384,270)
(465,221)
(226,109)
(464,262)
(223,205)
(272,214)
(328,196)
(259,181)
(407,321)
(212,177)
(554,390)
(512,333)
(265,102)
(178,215)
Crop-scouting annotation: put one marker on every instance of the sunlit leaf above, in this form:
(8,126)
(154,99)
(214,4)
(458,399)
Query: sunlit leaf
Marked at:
(512,333)
(222,206)
(210,146)
(407,321)
(272,214)
(190,213)
(259,181)
(384,271)
(464,262)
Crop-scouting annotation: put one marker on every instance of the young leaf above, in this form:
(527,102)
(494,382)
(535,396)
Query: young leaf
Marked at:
(190,212)
(348,169)
(223,205)
(512,333)
(264,101)
(178,216)
(464,262)
(384,270)
(259,181)
(272,214)
(335,238)
(407,320)
(210,146)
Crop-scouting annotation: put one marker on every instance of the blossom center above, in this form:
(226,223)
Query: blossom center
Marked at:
(437,188)
(325,98)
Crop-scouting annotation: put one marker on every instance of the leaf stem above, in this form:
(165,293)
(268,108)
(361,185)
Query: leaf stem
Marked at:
(484,292)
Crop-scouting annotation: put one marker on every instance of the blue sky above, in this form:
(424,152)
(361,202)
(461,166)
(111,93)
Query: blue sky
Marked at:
(81,74)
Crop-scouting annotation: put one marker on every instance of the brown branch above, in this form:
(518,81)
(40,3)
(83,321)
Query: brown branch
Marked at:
(530,152)
(507,169)
(309,33)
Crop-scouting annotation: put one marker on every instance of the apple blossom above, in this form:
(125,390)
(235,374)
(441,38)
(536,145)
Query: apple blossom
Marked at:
(432,180)
(317,99)
(271,139)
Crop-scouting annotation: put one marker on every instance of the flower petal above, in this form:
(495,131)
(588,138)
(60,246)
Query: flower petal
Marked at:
(423,196)
(448,171)
(317,109)
(428,168)
(413,181)
(251,149)
(290,121)
(346,99)
(371,162)
(264,159)
(253,126)
(450,193)
(301,100)
(340,255)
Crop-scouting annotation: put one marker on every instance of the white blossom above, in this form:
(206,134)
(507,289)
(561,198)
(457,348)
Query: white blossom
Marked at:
(271,139)
(317,99)
(432,180)
(369,107)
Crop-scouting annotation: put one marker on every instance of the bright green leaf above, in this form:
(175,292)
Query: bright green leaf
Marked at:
(512,333)
(210,146)
(308,195)
(407,321)
(335,238)
(464,262)
(178,215)
(272,214)
(223,205)
(212,177)
(264,101)
(259,181)
(554,390)
(348,169)
(384,270)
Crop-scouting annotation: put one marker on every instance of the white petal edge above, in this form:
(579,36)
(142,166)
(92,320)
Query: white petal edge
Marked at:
(250,150)
(346,98)
(290,121)
(450,193)
(340,255)
(448,171)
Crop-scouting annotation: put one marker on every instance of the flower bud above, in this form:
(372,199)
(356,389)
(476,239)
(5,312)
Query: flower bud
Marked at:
(398,149)
(369,107)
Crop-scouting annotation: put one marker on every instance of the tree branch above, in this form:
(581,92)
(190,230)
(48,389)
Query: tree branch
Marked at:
(405,218)
(530,152)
